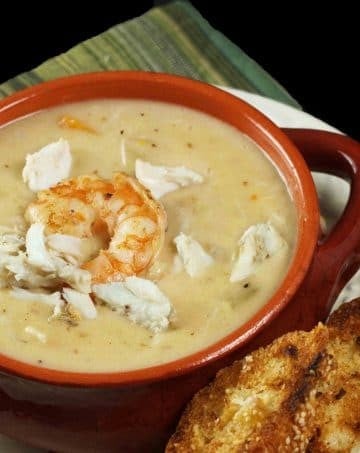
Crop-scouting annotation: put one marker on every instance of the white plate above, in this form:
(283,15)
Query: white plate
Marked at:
(282,115)
(329,188)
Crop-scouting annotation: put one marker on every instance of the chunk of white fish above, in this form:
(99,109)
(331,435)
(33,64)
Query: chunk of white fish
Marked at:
(81,302)
(193,256)
(48,166)
(161,180)
(138,299)
(258,243)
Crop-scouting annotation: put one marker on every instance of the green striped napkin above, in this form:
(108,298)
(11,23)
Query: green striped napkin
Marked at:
(171,38)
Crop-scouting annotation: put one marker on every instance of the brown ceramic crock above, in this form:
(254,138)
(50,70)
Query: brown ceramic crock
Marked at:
(136,411)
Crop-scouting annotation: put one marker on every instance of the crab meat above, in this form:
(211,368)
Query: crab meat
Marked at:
(36,250)
(81,302)
(138,299)
(161,180)
(193,256)
(258,243)
(48,166)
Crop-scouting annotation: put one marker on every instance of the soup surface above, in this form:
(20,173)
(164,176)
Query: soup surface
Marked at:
(240,188)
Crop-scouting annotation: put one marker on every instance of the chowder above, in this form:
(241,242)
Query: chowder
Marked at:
(133,233)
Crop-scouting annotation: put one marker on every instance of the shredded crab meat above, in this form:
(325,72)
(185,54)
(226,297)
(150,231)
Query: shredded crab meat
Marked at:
(138,299)
(53,300)
(73,249)
(48,166)
(77,278)
(258,243)
(161,180)
(27,262)
(36,250)
(10,242)
(81,302)
(193,257)
(59,302)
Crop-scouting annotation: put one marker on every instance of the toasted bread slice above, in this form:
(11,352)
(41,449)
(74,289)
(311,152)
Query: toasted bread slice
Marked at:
(299,394)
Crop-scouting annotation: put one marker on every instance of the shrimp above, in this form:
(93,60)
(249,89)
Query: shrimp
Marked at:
(119,213)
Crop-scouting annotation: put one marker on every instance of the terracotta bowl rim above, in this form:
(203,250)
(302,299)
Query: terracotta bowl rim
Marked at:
(306,241)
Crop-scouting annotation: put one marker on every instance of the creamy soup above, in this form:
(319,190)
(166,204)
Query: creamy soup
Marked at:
(240,188)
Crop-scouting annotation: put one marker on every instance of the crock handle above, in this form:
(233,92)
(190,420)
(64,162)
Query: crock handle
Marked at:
(337,256)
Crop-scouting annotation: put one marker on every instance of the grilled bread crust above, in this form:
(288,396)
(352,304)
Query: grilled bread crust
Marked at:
(299,394)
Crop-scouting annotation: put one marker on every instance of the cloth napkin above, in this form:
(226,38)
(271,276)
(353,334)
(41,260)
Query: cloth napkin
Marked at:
(172,38)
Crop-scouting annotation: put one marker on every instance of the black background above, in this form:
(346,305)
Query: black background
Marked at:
(313,54)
